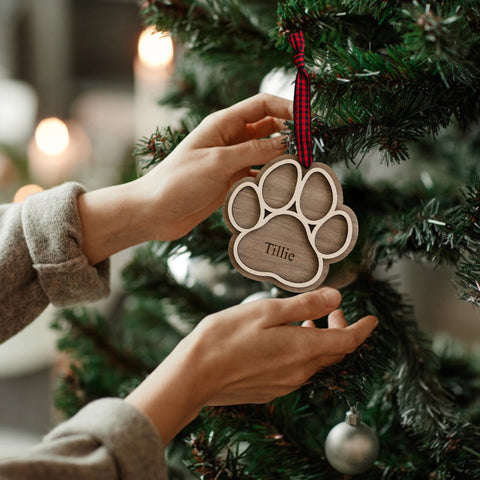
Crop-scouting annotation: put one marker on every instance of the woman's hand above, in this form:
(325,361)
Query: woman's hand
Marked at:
(190,184)
(248,354)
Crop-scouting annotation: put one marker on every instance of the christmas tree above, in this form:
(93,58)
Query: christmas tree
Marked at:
(392,82)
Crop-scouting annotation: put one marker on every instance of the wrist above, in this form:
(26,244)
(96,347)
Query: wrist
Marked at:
(173,394)
(112,219)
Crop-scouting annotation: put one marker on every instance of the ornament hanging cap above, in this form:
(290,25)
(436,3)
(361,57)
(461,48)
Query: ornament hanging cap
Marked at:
(301,101)
(352,417)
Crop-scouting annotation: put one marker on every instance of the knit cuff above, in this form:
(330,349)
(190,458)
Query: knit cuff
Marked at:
(53,233)
(128,435)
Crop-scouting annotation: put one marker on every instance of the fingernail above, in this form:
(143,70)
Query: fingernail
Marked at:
(281,142)
(332,297)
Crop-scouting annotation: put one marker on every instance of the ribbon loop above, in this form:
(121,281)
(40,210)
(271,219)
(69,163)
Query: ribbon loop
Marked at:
(301,102)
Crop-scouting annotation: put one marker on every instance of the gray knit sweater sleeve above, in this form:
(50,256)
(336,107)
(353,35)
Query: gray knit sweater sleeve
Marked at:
(41,262)
(40,258)
(106,440)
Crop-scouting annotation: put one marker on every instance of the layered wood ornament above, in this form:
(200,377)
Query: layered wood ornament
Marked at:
(289,224)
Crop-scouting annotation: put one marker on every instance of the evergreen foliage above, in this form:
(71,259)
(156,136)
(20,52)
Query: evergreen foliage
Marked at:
(391,82)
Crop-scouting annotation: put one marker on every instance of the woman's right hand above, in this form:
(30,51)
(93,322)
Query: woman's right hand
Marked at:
(250,353)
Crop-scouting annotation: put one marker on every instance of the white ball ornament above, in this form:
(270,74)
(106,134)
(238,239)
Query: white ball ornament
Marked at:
(351,447)
(280,82)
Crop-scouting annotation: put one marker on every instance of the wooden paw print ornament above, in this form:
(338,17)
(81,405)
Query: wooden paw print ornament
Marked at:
(289,224)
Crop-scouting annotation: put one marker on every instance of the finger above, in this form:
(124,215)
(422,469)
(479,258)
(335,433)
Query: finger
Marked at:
(228,126)
(252,152)
(260,106)
(363,327)
(340,341)
(308,324)
(305,306)
(265,127)
(337,320)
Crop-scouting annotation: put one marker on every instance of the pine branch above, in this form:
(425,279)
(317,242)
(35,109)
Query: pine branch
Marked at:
(451,159)
(427,232)
(423,232)
(148,274)
(442,31)
(325,21)
(423,405)
(152,150)
(182,17)
(383,97)
(376,78)
(213,458)
(460,372)
(91,330)
(99,365)
(274,450)
(468,271)
(209,239)
(369,101)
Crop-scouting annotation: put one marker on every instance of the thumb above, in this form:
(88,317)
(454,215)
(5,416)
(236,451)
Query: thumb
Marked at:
(254,152)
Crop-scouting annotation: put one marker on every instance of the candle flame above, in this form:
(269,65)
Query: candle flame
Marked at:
(51,136)
(155,49)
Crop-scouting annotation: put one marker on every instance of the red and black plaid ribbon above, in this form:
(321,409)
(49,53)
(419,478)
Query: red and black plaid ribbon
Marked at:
(301,102)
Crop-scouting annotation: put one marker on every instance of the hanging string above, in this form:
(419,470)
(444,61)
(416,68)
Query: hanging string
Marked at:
(301,102)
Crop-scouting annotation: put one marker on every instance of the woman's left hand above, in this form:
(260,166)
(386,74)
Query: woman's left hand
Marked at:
(190,184)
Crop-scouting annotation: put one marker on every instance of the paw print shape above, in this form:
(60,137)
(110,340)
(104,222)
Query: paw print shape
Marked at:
(289,224)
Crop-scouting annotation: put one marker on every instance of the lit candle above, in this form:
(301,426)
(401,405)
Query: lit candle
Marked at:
(56,151)
(51,136)
(155,49)
(153,68)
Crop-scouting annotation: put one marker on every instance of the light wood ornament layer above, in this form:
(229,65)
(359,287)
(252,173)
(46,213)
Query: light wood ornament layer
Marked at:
(289,224)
